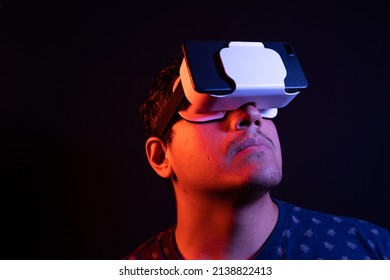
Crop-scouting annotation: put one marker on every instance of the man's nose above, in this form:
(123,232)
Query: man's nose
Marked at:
(246,116)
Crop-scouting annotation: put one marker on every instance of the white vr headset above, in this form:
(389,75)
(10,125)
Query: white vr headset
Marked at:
(219,76)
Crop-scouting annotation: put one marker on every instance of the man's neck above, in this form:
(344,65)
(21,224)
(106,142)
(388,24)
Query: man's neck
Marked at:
(213,228)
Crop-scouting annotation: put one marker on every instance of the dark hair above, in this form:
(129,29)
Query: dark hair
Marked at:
(157,100)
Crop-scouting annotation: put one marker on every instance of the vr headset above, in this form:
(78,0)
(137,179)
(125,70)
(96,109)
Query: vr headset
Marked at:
(219,76)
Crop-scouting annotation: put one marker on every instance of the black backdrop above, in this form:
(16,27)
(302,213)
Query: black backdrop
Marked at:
(75,183)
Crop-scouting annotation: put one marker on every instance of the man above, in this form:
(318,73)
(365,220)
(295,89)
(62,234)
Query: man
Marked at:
(222,172)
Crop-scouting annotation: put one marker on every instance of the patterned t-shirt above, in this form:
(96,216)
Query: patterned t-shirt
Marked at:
(299,234)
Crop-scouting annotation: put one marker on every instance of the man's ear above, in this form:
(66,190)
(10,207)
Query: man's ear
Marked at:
(156,154)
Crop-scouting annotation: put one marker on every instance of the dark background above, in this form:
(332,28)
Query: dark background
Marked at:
(75,183)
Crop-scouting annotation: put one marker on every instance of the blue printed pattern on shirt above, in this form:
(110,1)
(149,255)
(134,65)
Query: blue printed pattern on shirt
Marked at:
(307,234)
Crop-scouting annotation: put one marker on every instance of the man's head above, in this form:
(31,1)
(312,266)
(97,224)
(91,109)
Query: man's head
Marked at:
(241,150)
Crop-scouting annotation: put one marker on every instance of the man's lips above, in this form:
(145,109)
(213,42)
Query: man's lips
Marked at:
(253,142)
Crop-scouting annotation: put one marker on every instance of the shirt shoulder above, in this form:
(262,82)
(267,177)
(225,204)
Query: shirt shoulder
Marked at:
(159,247)
(327,236)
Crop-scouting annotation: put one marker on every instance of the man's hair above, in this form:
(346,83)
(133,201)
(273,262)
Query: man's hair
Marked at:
(157,100)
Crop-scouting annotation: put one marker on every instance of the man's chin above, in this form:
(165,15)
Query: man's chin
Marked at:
(255,189)
(265,181)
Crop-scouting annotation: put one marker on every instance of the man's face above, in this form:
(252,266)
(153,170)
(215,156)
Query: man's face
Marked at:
(240,150)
